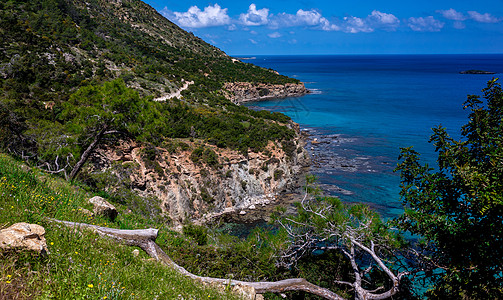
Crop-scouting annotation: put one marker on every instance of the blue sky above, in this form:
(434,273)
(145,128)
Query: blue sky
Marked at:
(342,27)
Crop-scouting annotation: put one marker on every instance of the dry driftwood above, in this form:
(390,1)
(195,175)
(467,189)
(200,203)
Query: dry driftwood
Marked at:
(145,239)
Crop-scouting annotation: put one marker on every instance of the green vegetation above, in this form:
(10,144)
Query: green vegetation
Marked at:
(77,74)
(457,207)
(313,244)
(358,237)
(52,46)
(80,265)
(278,173)
(205,155)
(83,265)
(94,115)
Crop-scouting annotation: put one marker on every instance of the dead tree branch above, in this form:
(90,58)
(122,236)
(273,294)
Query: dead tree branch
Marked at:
(145,239)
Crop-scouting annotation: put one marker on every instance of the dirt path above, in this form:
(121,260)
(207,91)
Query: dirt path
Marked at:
(177,94)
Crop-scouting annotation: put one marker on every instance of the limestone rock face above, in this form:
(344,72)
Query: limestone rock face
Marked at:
(103,208)
(186,190)
(24,237)
(246,91)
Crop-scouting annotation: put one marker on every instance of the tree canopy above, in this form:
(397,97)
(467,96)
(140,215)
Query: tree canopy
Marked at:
(365,242)
(457,207)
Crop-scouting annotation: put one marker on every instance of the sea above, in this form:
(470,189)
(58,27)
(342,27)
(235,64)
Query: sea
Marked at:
(363,109)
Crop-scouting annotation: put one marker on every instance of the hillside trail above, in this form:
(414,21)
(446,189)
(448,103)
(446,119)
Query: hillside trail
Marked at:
(177,94)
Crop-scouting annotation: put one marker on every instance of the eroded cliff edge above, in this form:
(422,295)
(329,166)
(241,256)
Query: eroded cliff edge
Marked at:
(239,92)
(193,181)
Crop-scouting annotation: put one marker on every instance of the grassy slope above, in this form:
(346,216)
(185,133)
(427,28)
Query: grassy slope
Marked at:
(80,265)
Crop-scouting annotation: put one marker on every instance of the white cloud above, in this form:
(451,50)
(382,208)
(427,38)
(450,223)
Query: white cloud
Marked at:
(197,18)
(383,20)
(354,25)
(214,15)
(459,25)
(483,18)
(253,41)
(255,17)
(274,35)
(376,20)
(313,18)
(425,24)
(310,18)
(452,14)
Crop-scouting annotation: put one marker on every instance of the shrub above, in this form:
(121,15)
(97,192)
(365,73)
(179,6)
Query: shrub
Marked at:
(198,233)
(278,173)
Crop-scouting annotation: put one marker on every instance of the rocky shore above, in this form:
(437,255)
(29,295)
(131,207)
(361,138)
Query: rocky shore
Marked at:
(240,92)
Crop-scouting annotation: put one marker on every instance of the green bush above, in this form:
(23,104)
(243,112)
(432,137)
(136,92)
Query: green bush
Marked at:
(198,233)
(205,155)
(278,173)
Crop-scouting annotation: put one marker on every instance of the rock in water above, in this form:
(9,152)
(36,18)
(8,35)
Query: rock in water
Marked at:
(24,237)
(103,208)
(476,72)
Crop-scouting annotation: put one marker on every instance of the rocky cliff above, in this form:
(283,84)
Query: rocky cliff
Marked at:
(247,91)
(187,187)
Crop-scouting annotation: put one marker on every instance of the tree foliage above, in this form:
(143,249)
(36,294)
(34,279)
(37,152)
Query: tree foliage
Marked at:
(457,208)
(356,232)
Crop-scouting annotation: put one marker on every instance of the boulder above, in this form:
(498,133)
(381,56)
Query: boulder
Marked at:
(103,208)
(24,237)
(86,212)
(246,292)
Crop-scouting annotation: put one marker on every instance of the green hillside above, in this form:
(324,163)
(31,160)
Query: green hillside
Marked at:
(107,60)
(51,47)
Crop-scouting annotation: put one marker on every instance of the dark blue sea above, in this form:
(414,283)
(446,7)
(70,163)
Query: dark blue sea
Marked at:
(364,108)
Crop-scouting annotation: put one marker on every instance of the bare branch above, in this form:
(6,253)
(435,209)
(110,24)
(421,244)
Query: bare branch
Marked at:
(145,239)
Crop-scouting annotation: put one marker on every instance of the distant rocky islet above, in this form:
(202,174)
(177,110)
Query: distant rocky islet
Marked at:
(477,72)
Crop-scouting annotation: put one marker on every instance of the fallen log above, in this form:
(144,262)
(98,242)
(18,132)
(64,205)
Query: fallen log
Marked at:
(145,239)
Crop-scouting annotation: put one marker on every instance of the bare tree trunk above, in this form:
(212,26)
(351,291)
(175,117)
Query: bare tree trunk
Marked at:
(87,153)
(145,239)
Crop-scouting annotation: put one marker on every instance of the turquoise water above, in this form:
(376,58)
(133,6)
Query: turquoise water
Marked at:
(366,107)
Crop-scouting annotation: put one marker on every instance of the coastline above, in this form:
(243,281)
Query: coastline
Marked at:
(242,92)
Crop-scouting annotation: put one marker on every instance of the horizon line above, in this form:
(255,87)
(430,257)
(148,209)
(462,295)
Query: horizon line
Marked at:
(360,54)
